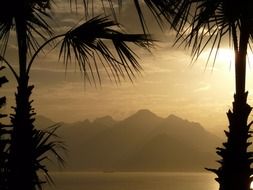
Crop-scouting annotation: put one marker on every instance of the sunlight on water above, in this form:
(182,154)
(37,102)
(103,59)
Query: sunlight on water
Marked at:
(133,181)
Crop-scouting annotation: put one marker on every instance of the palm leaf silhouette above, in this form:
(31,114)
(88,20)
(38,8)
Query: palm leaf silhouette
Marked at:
(87,40)
(202,22)
(46,146)
(162,9)
(33,12)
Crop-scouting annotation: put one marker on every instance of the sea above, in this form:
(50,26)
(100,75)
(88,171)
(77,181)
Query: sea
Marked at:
(132,181)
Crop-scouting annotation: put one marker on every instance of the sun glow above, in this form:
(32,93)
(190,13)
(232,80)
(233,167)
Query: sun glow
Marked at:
(224,55)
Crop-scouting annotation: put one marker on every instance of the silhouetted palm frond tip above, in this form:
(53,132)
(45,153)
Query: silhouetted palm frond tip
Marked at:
(161,9)
(98,37)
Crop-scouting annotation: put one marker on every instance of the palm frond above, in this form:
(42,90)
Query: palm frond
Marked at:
(33,12)
(46,146)
(98,37)
(37,25)
(5,27)
(203,22)
(160,9)
(200,22)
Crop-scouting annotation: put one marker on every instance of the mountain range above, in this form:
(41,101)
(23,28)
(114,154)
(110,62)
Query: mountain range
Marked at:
(141,142)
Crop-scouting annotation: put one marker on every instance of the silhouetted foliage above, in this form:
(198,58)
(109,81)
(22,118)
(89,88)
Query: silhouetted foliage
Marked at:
(4,140)
(29,21)
(45,142)
(205,24)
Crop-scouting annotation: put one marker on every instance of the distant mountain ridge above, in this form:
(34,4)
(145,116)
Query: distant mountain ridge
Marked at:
(141,142)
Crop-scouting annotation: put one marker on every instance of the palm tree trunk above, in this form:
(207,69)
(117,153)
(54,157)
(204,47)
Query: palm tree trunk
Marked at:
(234,172)
(20,161)
(21,141)
(240,61)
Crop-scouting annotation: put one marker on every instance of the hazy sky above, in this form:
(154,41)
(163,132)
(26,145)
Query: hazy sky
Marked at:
(169,84)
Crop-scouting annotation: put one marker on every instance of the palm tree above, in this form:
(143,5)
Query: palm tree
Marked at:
(207,23)
(4,141)
(85,43)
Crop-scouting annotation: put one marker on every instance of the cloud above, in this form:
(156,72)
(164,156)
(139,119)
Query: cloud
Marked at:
(202,88)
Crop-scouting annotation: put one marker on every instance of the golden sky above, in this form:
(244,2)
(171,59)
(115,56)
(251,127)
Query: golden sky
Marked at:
(169,84)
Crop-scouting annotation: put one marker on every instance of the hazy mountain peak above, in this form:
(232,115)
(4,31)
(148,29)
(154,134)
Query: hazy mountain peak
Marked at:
(79,124)
(173,117)
(108,120)
(144,113)
(142,116)
(141,119)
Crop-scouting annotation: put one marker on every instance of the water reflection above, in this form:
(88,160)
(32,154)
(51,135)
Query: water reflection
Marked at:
(133,181)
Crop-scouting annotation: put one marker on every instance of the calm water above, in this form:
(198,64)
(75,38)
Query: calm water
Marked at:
(133,181)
